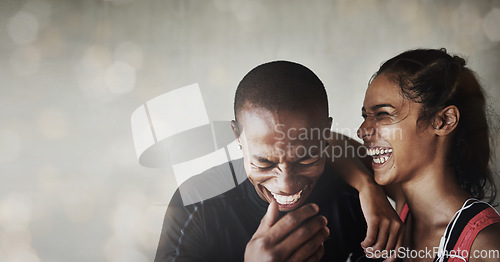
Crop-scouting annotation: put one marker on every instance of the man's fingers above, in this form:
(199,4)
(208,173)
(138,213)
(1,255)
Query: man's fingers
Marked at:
(266,242)
(269,218)
(304,236)
(291,221)
(311,247)
(371,235)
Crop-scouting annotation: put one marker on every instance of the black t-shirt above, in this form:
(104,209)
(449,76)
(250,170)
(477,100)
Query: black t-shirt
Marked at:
(219,228)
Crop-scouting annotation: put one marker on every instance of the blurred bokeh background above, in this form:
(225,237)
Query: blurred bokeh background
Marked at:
(72,73)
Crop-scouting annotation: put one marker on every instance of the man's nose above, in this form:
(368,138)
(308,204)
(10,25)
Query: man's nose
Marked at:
(287,179)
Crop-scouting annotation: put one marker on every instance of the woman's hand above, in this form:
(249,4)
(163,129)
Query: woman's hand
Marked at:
(385,229)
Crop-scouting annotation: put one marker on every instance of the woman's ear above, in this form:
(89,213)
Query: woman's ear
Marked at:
(446,120)
(236,130)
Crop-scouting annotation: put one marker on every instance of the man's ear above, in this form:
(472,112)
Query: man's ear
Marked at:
(446,120)
(330,138)
(236,130)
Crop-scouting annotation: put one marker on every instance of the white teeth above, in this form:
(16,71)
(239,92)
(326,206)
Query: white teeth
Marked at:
(380,160)
(287,200)
(378,151)
(376,154)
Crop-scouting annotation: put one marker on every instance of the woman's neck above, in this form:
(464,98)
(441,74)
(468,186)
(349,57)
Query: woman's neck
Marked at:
(434,196)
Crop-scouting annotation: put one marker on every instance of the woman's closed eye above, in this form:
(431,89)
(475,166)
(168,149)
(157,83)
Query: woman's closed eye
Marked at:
(382,114)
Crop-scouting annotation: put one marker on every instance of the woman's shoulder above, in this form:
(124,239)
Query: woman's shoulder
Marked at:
(475,229)
(487,240)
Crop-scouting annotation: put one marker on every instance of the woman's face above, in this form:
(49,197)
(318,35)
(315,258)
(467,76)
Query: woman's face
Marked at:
(399,149)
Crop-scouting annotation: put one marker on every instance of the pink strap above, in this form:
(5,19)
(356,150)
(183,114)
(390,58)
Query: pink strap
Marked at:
(476,224)
(404,213)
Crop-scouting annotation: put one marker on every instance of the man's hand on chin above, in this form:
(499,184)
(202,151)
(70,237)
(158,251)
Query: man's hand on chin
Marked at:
(298,236)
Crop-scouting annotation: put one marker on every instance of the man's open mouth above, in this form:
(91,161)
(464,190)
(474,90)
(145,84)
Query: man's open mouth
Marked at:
(287,199)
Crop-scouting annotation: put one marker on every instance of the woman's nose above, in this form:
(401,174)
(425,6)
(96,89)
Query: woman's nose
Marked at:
(365,130)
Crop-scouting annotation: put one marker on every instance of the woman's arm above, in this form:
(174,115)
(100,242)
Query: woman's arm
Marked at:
(385,229)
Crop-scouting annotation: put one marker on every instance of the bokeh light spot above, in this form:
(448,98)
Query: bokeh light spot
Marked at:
(53,124)
(23,28)
(10,146)
(120,77)
(25,61)
(49,179)
(130,53)
(80,204)
(491,25)
(41,9)
(89,72)
(15,211)
(116,251)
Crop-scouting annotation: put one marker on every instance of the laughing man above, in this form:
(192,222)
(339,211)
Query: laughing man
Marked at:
(295,204)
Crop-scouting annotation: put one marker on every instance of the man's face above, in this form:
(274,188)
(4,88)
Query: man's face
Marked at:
(282,153)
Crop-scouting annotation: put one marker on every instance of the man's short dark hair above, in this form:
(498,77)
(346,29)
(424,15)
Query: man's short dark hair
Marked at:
(281,85)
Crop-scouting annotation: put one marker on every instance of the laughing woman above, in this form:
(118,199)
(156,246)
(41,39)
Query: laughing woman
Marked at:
(426,128)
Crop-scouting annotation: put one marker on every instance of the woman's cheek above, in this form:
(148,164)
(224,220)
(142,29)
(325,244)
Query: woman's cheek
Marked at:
(391,133)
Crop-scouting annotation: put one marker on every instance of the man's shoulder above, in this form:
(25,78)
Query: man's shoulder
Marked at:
(215,182)
(238,194)
(332,187)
